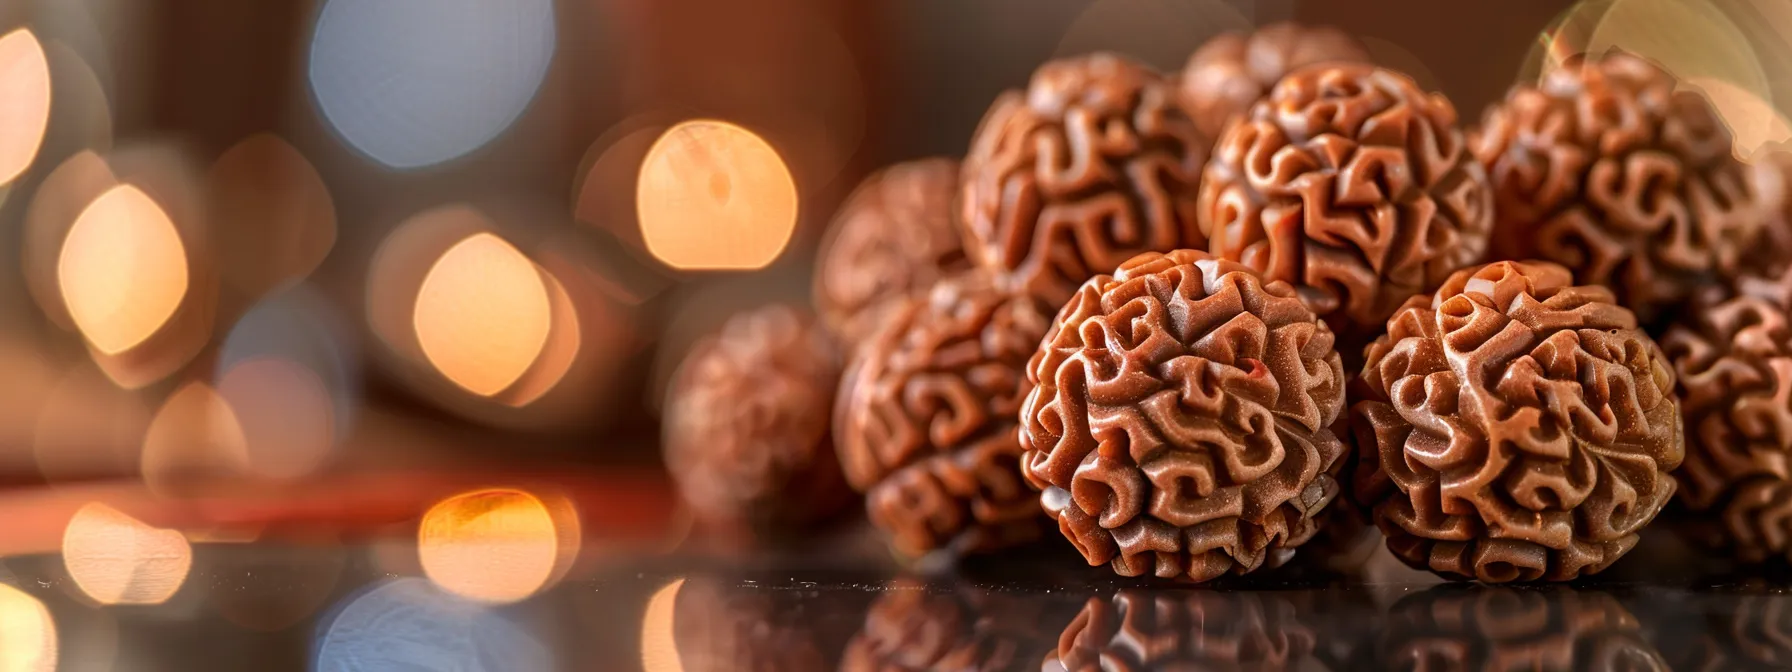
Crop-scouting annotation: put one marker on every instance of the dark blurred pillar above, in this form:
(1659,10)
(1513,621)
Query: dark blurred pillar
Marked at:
(222,69)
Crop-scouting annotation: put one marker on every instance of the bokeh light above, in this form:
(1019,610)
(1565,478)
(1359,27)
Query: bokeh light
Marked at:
(558,383)
(27,634)
(161,175)
(115,248)
(604,188)
(289,372)
(558,352)
(512,339)
(1566,37)
(497,545)
(483,314)
(1702,46)
(659,650)
(1753,122)
(123,269)
(413,83)
(117,559)
(409,624)
(276,221)
(1698,42)
(713,195)
(1160,33)
(1776,16)
(65,193)
(284,413)
(24,101)
(406,255)
(88,642)
(1689,39)
(194,439)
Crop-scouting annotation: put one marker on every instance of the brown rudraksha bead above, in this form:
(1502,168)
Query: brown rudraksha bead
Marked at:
(1095,162)
(1351,184)
(925,419)
(1181,421)
(1515,427)
(894,236)
(1606,169)
(1733,358)
(1231,71)
(746,429)
(1204,630)
(1455,627)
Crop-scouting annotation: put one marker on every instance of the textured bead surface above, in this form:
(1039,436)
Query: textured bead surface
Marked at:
(1180,425)
(1515,427)
(1605,168)
(926,419)
(1092,164)
(1351,184)
(1733,359)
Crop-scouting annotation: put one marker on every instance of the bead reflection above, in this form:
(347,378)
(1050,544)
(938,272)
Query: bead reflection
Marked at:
(1747,630)
(911,628)
(117,559)
(408,624)
(720,627)
(1197,630)
(27,635)
(1456,627)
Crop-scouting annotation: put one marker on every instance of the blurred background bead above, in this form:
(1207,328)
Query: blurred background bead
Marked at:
(747,435)
(896,234)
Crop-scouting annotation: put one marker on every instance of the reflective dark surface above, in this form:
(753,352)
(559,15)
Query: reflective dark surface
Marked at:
(365,606)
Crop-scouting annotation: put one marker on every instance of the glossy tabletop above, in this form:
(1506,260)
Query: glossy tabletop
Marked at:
(370,605)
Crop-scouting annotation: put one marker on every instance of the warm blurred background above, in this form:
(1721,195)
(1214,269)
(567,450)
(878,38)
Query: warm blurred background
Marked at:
(277,251)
